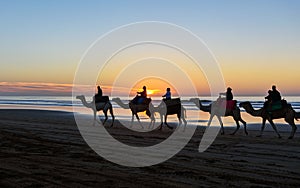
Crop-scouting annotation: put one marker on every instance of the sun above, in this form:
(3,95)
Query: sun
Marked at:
(156,87)
(151,91)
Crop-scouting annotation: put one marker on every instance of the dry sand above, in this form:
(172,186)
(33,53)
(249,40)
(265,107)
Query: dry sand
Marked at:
(44,148)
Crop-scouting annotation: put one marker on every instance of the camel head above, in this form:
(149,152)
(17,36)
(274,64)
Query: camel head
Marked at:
(195,100)
(80,97)
(116,100)
(120,103)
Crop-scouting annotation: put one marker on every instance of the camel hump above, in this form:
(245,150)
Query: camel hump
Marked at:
(284,102)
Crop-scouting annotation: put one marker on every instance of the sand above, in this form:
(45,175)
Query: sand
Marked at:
(45,148)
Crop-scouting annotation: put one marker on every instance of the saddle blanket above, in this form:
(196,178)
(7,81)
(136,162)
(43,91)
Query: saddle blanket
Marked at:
(229,105)
(275,106)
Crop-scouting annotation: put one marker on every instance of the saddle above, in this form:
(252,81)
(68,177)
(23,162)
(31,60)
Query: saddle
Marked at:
(101,99)
(172,102)
(141,101)
(173,105)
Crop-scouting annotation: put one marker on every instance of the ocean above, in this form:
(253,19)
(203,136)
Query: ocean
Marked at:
(194,115)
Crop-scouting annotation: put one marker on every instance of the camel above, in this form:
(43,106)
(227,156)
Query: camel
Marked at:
(287,112)
(105,106)
(165,108)
(135,109)
(215,111)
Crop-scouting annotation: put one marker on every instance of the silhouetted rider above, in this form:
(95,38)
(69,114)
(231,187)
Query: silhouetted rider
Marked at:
(275,95)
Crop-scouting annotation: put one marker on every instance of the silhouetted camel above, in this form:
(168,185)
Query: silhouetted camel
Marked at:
(235,113)
(104,106)
(135,109)
(167,108)
(286,112)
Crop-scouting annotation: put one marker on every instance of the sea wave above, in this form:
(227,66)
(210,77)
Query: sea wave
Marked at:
(257,102)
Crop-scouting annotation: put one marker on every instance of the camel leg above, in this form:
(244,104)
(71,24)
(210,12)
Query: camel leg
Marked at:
(294,127)
(274,127)
(152,122)
(263,125)
(167,123)
(138,118)
(185,123)
(245,125)
(94,112)
(132,118)
(237,127)
(183,115)
(160,127)
(221,123)
(179,119)
(162,122)
(105,114)
(112,116)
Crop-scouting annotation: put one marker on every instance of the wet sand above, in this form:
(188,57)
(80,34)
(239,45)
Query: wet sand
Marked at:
(45,148)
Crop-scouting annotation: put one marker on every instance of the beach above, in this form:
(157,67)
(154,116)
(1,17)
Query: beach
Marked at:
(45,148)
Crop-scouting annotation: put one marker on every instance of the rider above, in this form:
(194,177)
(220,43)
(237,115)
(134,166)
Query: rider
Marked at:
(98,95)
(168,94)
(272,98)
(275,94)
(228,94)
(141,96)
(268,99)
(230,103)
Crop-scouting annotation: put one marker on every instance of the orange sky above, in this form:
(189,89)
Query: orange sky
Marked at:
(256,44)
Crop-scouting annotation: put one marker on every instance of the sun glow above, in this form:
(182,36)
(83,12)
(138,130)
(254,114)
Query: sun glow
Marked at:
(152,91)
(156,87)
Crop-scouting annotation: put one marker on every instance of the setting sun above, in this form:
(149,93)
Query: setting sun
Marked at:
(152,91)
(156,87)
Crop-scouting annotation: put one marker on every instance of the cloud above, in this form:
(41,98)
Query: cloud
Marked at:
(53,89)
(34,88)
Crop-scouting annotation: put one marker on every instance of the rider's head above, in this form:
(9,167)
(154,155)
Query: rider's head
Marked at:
(229,89)
(144,87)
(168,89)
(274,87)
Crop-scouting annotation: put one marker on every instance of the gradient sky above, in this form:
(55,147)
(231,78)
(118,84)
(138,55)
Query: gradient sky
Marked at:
(256,43)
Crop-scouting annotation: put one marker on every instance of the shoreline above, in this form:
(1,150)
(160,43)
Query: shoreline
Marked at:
(45,148)
(254,124)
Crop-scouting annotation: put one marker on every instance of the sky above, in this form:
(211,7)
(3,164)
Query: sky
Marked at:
(256,43)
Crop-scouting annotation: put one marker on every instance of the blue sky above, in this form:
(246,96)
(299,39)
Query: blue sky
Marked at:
(42,41)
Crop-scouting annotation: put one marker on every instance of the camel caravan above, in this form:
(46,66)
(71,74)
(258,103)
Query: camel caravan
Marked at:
(274,108)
